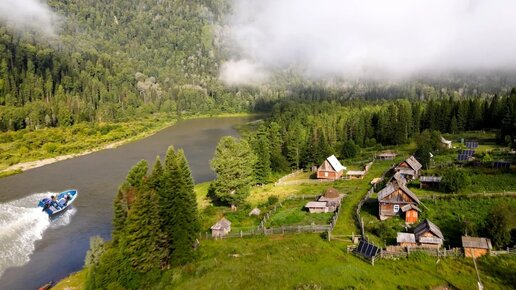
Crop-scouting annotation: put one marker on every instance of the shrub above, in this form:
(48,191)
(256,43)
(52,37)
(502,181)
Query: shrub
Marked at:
(272,200)
(455,180)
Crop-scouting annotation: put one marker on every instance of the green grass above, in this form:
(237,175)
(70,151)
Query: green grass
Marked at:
(293,212)
(73,282)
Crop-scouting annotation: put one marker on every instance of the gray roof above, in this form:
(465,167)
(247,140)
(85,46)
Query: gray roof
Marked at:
(315,204)
(405,238)
(399,178)
(223,223)
(430,178)
(427,226)
(409,207)
(406,171)
(393,186)
(413,163)
(387,154)
(355,172)
(476,242)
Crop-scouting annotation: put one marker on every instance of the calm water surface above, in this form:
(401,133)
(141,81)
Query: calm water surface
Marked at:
(64,243)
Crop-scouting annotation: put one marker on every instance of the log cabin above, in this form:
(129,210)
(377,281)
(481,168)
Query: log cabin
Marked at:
(331,168)
(406,240)
(428,235)
(410,168)
(394,198)
(475,247)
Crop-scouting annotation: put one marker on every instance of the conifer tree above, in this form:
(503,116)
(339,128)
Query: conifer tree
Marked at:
(263,164)
(233,162)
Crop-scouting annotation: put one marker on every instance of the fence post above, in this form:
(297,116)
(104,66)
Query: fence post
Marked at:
(240,233)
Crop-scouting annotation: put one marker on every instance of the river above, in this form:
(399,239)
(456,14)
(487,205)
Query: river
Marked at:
(34,250)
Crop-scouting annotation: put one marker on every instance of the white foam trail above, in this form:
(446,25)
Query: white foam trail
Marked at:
(22,223)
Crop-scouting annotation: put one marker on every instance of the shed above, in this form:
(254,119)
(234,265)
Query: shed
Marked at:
(355,174)
(409,168)
(255,211)
(386,155)
(317,206)
(332,198)
(475,247)
(429,181)
(406,240)
(446,143)
(331,168)
(411,213)
(428,234)
(221,228)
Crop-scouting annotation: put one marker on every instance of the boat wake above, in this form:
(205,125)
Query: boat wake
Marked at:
(22,223)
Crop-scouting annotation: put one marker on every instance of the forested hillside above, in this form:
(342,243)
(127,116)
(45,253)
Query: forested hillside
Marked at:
(114,60)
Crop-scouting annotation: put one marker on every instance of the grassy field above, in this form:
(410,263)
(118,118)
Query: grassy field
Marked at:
(308,261)
(293,212)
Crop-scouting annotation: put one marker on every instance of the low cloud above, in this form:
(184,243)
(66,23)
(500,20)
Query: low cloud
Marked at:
(29,15)
(369,38)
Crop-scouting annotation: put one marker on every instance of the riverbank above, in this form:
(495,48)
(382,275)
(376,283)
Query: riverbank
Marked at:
(25,150)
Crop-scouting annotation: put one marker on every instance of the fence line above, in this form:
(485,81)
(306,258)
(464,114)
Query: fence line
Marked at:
(282,180)
(470,195)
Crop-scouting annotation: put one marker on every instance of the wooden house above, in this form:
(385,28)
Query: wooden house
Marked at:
(428,235)
(410,168)
(475,247)
(330,169)
(332,198)
(411,212)
(317,206)
(386,155)
(406,240)
(429,181)
(221,228)
(392,200)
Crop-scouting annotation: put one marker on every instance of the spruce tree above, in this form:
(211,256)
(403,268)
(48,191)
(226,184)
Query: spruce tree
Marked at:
(263,164)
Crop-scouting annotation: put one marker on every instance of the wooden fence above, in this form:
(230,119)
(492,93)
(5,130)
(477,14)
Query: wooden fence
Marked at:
(358,218)
(468,196)
(508,251)
(453,252)
(284,178)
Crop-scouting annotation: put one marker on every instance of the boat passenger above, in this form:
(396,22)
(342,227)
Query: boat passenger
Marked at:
(67,199)
(55,203)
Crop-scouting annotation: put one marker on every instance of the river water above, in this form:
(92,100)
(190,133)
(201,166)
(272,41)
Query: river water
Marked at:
(34,250)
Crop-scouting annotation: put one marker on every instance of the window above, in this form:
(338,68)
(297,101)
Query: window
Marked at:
(326,174)
(396,208)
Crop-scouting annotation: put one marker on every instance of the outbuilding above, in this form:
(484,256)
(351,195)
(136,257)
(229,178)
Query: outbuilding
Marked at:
(406,240)
(394,198)
(410,168)
(386,155)
(221,228)
(475,247)
(429,181)
(332,198)
(317,206)
(428,235)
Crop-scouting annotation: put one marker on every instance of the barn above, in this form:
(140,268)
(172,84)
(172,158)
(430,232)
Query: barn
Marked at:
(410,168)
(330,169)
(221,228)
(332,198)
(475,247)
(428,235)
(394,198)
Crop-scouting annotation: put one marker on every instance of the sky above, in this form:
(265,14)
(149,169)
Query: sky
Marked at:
(29,15)
(378,39)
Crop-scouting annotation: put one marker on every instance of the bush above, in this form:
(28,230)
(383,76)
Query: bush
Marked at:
(455,180)
(272,200)
(349,149)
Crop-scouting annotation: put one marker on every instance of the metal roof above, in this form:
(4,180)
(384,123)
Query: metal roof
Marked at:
(315,204)
(430,178)
(335,163)
(393,186)
(413,163)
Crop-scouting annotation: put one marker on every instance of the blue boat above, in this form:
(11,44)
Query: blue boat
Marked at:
(61,202)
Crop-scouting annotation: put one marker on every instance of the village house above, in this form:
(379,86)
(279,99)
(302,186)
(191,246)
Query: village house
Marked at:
(330,169)
(221,228)
(386,155)
(475,247)
(428,235)
(317,206)
(395,198)
(410,168)
(406,240)
(429,181)
(446,143)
